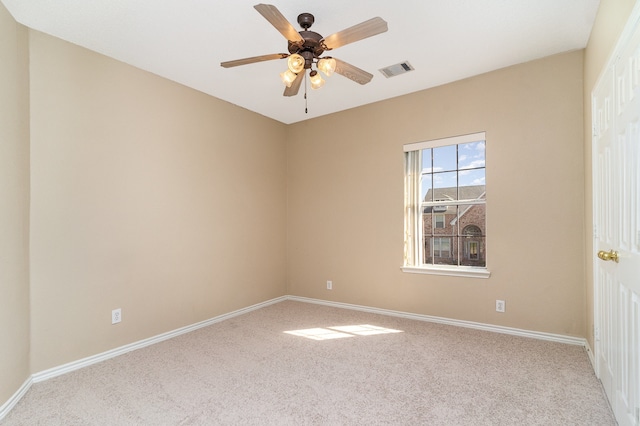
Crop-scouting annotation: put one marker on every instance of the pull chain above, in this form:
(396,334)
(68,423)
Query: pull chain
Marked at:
(306,111)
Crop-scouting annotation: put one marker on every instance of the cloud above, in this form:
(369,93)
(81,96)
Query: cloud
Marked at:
(474,164)
(479,181)
(478,146)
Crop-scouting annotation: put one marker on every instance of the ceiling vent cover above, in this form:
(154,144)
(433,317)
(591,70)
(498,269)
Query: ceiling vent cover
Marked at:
(397,69)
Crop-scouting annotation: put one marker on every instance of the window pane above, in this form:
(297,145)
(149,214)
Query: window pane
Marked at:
(473,251)
(474,177)
(427,220)
(445,186)
(472,220)
(456,236)
(426,161)
(471,155)
(444,251)
(444,158)
(446,223)
(472,229)
(426,184)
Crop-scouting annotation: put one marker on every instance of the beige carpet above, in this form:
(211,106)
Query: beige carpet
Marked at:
(248,371)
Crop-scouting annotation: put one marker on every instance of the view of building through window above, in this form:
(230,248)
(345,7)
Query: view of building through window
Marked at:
(445,202)
(453,194)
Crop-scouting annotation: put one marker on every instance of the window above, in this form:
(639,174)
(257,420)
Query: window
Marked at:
(441,247)
(473,236)
(445,205)
(472,250)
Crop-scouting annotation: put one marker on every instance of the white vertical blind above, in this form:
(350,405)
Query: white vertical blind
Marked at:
(412,201)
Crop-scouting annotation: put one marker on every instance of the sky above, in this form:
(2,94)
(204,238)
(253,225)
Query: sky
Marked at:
(449,166)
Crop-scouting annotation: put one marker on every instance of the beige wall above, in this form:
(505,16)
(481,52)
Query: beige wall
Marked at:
(611,18)
(345,195)
(169,204)
(146,196)
(14,199)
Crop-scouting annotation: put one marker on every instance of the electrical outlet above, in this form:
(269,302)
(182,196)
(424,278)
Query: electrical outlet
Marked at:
(500,306)
(329,285)
(116,316)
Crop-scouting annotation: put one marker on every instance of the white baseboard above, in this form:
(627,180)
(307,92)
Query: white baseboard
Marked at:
(75,365)
(459,323)
(8,406)
(85,362)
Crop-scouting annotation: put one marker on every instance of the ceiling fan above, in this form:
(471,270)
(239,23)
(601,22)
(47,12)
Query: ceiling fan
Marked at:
(306,49)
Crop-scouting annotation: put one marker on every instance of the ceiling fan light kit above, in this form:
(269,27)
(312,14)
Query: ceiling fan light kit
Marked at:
(315,79)
(306,48)
(327,65)
(296,63)
(288,77)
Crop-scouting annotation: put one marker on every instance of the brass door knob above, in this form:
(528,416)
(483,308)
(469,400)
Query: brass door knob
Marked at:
(608,255)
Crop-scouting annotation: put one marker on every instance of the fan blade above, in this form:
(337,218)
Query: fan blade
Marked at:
(253,59)
(352,72)
(275,18)
(364,29)
(295,86)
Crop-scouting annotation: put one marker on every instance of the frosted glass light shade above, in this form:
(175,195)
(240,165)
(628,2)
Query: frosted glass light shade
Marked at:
(315,79)
(327,66)
(295,63)
(288,77)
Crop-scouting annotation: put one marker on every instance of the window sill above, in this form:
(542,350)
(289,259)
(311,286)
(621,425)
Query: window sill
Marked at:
(458,271)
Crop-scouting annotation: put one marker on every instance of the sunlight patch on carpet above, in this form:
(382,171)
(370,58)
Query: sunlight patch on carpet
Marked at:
(328,333)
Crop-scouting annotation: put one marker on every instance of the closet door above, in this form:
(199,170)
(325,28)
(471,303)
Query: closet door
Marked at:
(616,186)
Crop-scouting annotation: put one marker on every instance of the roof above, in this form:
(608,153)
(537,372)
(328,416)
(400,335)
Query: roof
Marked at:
(473,192)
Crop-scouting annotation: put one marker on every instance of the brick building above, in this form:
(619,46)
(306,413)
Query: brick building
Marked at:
(454,234)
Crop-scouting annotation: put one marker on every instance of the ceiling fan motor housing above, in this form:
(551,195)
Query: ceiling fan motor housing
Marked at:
(312,47)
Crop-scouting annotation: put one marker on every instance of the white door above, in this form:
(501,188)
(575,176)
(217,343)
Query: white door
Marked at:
(616,183)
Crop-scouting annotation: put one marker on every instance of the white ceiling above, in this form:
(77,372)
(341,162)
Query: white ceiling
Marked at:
(185,41)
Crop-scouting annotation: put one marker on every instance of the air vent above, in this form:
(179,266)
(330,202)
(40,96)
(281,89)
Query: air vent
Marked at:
(397,69)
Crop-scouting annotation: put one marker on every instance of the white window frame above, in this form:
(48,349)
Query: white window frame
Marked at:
(413,217)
